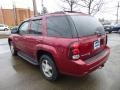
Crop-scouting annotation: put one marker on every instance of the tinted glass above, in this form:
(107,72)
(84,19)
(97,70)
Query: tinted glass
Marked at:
(59,26)
(24,28)
(36,27)
(87,25)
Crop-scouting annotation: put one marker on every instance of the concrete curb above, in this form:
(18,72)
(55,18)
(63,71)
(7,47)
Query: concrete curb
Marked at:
(3,36)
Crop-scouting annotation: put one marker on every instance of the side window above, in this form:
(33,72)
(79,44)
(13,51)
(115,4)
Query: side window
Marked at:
(36,27)
(59,26)
(23,29)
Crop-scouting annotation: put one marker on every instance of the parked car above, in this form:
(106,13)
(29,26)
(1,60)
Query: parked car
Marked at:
(108,28)
(3,27)
(116,28)
(61,43)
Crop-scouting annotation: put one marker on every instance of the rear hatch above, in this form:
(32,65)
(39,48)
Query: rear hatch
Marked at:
(91,36)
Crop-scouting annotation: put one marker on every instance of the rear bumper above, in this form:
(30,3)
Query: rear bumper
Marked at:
(81,68)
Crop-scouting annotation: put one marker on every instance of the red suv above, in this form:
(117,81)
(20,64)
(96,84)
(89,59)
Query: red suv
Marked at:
(61,43)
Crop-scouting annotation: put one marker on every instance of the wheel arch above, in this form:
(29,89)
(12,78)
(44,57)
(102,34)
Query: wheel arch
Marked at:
(44,52)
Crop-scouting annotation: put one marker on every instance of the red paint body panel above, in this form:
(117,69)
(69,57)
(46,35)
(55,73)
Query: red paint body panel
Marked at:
(81,68)
(89,61)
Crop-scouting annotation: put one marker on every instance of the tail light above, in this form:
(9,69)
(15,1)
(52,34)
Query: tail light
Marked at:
(74,52)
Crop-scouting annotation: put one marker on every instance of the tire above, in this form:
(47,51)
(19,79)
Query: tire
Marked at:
(12,49)
(5,29)
(110,31)
(48,68)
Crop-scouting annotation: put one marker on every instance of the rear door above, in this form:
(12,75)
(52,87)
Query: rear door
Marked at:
(91,35)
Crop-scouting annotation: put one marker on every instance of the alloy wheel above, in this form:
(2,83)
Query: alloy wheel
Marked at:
(47,68)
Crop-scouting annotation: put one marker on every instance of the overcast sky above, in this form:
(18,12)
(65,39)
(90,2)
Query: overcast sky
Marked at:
(108,10)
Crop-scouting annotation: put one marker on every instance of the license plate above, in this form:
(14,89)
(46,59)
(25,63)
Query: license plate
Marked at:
(97,44)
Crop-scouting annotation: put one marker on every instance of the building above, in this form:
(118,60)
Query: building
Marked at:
(14,16)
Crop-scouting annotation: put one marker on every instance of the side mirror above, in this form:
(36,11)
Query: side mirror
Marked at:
(14,30)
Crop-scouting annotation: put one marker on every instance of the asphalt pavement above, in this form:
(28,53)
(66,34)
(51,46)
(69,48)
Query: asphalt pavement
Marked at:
(18,74)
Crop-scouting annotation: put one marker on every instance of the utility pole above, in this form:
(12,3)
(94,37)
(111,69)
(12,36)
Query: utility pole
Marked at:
(117,12)
(15,13)
(29,15)
(35,8)
(42,4)
(3,21)
(42,11)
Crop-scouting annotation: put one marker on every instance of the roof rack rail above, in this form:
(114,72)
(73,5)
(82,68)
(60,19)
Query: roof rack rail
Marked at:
(60,12)
(63,12)
(72,12)
(57,12)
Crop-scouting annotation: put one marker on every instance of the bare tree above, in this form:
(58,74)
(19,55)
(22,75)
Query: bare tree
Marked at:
(71,4)
(92,6)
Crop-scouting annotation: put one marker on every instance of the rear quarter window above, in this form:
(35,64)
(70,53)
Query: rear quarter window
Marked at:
(59,26)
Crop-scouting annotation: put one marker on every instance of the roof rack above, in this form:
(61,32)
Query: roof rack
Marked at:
(60,12)
(64,12)
(72,12)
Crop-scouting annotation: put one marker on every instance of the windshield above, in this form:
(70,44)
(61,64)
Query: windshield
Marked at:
(87,25)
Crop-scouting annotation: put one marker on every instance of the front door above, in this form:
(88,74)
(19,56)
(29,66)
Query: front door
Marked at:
(20,39)
(34,38)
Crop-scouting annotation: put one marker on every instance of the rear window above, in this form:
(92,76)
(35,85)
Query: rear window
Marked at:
(87,25)
(59,26)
